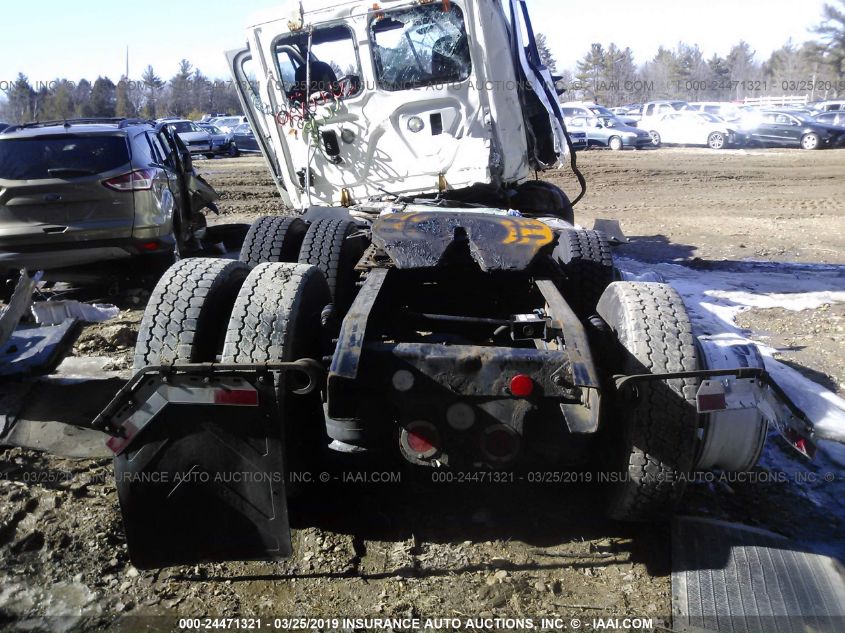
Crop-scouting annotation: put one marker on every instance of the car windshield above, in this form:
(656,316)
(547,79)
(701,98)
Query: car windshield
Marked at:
(420,46)
(61,156)
(181,127)
(243,128)
(600,110)
(213,129)
(710,118)
(610,121)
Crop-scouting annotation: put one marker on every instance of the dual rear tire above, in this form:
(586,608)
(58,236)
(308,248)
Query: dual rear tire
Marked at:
(651,440)
(330,244)
(204,310)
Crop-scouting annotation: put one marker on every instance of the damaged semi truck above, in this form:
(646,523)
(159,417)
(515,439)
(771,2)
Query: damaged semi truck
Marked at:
(429,296)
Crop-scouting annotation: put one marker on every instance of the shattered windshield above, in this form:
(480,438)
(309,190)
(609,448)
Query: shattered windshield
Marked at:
(422,46)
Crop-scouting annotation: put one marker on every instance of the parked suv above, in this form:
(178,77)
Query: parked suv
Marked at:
(90,190)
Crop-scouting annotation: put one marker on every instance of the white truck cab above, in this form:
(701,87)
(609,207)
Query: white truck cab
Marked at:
(400,97)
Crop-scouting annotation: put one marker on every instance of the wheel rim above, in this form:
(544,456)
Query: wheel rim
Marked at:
(615,144)
(717,141)
(655,138)
(810,141)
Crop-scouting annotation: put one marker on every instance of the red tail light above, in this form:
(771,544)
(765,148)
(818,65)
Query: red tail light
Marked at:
(236,397)
(500,444)
(421,440)
(138,180)
(148,246)
(522,386)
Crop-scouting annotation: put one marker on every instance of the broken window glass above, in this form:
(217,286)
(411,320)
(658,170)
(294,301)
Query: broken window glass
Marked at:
(422,46)
(335,72)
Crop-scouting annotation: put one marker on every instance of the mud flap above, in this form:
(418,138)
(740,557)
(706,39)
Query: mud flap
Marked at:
(200,470)
(730,578)
(613,231)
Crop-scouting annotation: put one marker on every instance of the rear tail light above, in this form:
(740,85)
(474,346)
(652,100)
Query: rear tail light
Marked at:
(500,444)
(138,180)
(522,386)
(421,440)
(149,246)
(236,397)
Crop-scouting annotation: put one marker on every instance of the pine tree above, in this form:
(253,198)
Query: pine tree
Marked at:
(103,97)
(832,32)
(21,101)
(59,104)
(546,55)
(82,99)
(124,107)
(591,69)
(180,90)
(152,89)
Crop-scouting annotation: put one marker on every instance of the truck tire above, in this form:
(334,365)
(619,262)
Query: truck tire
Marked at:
(587,263)
(276,318)
(186,317)
(328,246)
(653,440)
(273,239)
(538,196)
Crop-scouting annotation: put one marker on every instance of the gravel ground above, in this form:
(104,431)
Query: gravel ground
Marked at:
(417,549)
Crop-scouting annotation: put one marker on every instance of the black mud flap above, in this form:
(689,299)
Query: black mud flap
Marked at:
(200,468)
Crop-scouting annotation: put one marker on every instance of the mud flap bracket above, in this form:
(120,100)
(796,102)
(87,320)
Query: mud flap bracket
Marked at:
(739,390)
(199,463)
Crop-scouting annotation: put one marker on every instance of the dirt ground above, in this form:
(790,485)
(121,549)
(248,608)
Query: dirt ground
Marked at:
(420,549)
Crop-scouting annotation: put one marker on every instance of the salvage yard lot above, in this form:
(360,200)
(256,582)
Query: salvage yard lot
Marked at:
(419,549)
(770,204)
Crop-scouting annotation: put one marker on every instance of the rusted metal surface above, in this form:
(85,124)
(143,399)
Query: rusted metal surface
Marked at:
(351,340)
(582,418)
(496,242)
(469,370)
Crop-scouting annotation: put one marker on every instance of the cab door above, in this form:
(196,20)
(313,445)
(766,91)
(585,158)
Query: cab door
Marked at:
(248,86)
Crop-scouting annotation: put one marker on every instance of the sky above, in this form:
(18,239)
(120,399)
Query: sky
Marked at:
(62,39)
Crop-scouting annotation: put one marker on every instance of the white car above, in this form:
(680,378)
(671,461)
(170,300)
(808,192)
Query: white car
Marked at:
(728,111)
(691,128)
(228,123)
(830,106)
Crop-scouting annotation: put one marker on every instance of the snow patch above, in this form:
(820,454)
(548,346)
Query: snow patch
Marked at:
(716,297)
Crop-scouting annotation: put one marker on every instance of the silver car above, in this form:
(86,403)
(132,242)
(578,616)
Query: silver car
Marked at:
(196,139)
(609,131)
(84,191)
